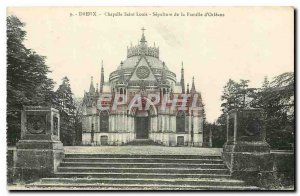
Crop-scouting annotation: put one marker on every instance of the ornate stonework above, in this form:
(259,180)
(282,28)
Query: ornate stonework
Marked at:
(36,124)
(142,74)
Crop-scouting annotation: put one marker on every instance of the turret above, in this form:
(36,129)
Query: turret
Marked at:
(102,78)
(193,89)
(97,91)
(188,89)
(163,75)
(121,86)
(164,83)
(92,88)
(122,77)
(182,79)
(142,48)
(143,39)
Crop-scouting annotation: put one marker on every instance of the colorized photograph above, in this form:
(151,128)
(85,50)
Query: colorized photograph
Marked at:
(150,98)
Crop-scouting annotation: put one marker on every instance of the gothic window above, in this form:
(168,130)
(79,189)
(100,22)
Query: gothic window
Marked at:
(180,121)
(121,91)
(104,121)
(142,72)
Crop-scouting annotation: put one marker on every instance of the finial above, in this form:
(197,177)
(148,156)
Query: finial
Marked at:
(143,39)
(181,64)
(193,89)
(102,63)
(92,88)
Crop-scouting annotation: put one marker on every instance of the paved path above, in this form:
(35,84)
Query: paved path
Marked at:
(145,150)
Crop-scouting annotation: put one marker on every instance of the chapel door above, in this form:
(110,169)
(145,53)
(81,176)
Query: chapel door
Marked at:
(180,141)
(142,127)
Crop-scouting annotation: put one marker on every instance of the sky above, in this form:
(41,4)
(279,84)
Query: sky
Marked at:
(225,42)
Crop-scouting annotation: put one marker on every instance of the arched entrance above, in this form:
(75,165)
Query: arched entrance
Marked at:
(142,117)
(142,124)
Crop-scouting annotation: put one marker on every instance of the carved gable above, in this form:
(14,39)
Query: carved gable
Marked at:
(143,71)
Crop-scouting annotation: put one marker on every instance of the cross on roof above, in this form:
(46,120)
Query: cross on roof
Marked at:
(143,29)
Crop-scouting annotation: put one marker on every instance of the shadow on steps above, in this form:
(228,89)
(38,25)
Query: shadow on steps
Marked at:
(142,142)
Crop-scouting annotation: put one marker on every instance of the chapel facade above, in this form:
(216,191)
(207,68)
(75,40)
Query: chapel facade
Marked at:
(159,120)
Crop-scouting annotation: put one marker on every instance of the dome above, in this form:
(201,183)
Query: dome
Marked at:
(131,62)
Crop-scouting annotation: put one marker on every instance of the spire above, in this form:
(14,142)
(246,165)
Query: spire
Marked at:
(182,78)
(92,88)
(188,89)
(142,48)
(102,78)
(163,75)
(143,39)
(122,79)
(193,89)
(97,91)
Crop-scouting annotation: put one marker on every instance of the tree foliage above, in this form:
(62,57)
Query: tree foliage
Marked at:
(27,78)
(236,95)
(28,84)
(63,101)
(275,97)
(277,100)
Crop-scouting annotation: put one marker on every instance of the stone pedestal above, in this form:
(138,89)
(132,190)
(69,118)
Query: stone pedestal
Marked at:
(39,150)
(246,153)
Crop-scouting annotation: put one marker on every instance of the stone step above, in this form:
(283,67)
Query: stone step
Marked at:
(142,170)
(142,142)
(136,175)
(144,160)
(76,186)
(179,181)
(142,165)
(141,156)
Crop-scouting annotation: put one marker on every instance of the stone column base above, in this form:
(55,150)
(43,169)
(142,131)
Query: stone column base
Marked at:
(38,158)
(248,161)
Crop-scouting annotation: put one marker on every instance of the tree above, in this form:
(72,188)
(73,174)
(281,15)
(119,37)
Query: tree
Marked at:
(275,97)
(78,120)
(236,95)
(63,101)
(266,83)
(27,78)
(277,100)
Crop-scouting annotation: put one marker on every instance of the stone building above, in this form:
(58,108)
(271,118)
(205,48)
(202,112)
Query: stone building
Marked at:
(142,74)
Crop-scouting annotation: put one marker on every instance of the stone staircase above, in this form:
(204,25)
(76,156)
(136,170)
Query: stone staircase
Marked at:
(141,172)
(142,142)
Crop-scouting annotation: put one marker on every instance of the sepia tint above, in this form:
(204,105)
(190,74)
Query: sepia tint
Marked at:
(150,98)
